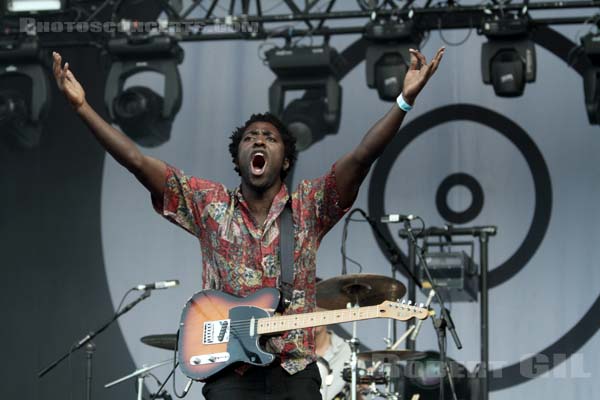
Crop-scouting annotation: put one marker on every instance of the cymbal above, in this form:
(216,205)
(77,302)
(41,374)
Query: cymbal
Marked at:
(390,356)
(361,289)
(167,341)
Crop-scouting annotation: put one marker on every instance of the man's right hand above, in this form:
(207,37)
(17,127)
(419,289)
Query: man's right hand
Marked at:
(67,83)
(149,171)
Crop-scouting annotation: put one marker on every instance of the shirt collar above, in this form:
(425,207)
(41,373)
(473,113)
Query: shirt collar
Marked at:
(277,206)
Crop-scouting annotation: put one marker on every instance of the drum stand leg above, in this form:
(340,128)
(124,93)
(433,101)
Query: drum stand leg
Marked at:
(140,386)
(354,344)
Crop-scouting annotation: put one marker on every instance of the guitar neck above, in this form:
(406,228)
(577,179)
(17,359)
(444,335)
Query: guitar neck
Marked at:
(299,321)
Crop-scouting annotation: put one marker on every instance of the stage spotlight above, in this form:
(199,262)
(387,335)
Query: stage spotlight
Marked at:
(142,114)
(508,58)
(24,92)
(591,78)
(316,69)
(387,57)
(33,6)
(305,119)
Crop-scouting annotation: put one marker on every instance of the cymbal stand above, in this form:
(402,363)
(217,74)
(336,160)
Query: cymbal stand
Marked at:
(141,374)
(388,388)
(354,344)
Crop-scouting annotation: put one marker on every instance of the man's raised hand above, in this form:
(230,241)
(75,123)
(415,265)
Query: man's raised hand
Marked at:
(419,73)
(67,83)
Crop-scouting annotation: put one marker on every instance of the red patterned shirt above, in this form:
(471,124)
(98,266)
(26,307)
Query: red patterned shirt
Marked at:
(240,257)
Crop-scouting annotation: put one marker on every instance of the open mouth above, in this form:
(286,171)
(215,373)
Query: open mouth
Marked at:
(258,163)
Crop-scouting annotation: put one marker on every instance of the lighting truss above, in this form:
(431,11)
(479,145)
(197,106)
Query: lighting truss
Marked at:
(259,20)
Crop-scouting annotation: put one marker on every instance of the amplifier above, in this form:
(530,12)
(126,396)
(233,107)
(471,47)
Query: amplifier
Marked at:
(454,273)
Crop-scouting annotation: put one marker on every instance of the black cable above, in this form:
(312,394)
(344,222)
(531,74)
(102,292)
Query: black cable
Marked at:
(166,380)
(175,366)
(344,237)
(453,44)
(123,299)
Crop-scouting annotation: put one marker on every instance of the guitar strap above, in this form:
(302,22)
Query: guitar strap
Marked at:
(286,253)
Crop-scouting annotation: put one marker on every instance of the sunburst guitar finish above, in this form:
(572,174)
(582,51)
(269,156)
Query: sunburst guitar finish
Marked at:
(218,329)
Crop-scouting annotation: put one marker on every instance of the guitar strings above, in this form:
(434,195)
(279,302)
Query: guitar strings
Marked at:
(287,317)
(247,322)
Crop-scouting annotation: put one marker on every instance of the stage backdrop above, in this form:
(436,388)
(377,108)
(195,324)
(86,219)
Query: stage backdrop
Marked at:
(77,230)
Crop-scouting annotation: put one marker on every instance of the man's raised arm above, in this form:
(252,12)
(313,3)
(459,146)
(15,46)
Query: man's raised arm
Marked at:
(149,171)
(353,167)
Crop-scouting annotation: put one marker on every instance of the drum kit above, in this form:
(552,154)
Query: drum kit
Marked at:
(381,366)
(365,371)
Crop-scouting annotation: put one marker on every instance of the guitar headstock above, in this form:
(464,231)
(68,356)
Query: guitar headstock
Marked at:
(402,311)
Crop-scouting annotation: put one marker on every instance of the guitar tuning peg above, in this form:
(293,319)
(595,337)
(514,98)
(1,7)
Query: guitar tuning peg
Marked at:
(421,305)
(410,302)
(403,302)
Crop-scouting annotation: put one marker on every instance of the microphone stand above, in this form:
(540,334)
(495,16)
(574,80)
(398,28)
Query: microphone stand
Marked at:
(91,347)
(395,258)
(442,323)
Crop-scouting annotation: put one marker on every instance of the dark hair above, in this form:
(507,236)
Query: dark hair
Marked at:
(289,141)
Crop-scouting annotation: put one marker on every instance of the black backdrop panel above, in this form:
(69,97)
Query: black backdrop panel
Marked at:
(54,286)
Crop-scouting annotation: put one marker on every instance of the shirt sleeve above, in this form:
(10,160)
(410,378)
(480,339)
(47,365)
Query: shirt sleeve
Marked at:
(320,200)
(185,198)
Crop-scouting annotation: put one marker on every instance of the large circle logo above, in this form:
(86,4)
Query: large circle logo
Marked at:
(587,327)
(441,198)
(517,136)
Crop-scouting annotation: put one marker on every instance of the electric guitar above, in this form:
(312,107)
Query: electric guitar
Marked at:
(218,329)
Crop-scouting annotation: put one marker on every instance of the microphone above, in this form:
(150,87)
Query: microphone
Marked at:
(395,218)
(157,285)
(414,334)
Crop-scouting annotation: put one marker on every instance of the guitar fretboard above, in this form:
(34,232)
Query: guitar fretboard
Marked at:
(299,321)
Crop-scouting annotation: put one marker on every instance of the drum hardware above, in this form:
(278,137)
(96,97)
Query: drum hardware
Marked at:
(354,345)
(166,341)
(484,234)
(390,356)
(444,321)
(424,377)
(365,376)
(141,374)
(358,289)
(379,358)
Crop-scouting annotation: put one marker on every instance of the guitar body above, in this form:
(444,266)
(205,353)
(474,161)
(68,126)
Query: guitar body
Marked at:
(216,331)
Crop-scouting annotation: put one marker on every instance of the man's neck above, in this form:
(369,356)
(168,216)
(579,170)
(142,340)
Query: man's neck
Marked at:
(259,202)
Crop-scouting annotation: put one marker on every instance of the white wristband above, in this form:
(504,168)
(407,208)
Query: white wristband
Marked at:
(403,104)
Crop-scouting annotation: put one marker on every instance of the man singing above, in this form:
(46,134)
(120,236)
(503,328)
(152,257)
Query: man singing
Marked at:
(238,229)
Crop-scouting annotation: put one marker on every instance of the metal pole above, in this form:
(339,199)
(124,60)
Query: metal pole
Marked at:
(412,295)
(90,348)
(140,386)
(483,260)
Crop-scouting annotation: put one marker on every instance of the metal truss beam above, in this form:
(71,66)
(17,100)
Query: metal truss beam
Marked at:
(223,18)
